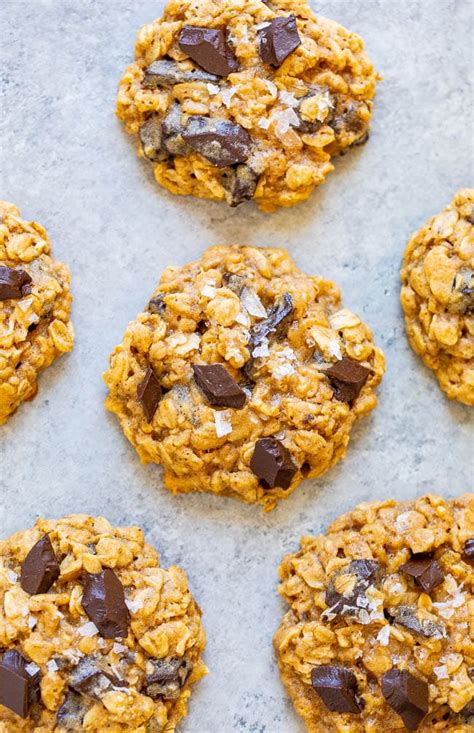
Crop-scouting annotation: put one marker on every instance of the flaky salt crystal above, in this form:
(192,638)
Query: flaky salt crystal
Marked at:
(12,576)
(242,318)
(213,89)
(227,94)
(334,348)
(264,123)
(252,303)
(32,621)
(88,629)
(133,605)
(384,635)
(262,349)
(286,118)
(222,422)
(441,672)
(32,669)
(208,291)
(288,98)
(52,666)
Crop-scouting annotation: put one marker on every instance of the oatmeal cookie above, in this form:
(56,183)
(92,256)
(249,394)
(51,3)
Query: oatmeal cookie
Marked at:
(379,635)
(437,296)
(94,634)
(243,375)
(243,99)
(35,304)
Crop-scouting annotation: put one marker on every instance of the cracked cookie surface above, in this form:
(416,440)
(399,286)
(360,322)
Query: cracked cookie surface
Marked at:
(379,634)
(235,100)
(243,375)
(94,634)
(437,296)
(35,306)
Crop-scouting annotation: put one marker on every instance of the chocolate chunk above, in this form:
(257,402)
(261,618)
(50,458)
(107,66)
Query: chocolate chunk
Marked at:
(157,304)
(407,695)
(14,284)
(221,142)
(172,129)
(219,389)
(167,73)
(89,678)
(275,324)
(72,712)
(272,463)
(337,688)
(426,572)
(468,711)
(468,550)
(347,378)
(151,138)
(208,48)
(235,283)
(19,690)
(348,121)
(149,393)
(240,184)
(347,587)
(278,39)
(406,616)
(104,602)
(40,568)
(167,679)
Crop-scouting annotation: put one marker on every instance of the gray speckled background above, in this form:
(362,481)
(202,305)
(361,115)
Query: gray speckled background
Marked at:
(66,162)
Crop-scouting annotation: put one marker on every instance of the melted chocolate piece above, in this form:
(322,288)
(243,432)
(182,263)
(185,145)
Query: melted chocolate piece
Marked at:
(208,48)
(167,679)
(221,142)
(337,688)
(18,689)
(272,463)
(149,393)
(468,550)
(104,603)
(14,284)
(40,568)
(348,121)
(72,711)
(278,39)
(167,73)
(151,138)
(275,324)
(157,304)
(240,184)
(407,695)
(219,389)
(89,678)
(406,616)
(347,378)
(426,572)
(364,573)
(172,129)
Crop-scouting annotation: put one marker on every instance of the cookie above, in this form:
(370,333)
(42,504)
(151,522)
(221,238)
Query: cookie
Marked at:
(243,375)
(35,306)
(234,100)
(94,634)
(379,635)
(437,296)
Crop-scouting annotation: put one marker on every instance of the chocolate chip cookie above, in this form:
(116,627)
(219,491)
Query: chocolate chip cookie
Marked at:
(35,306)
(94,634)
(438,296)
(243,375)
(236,100)
(379,635)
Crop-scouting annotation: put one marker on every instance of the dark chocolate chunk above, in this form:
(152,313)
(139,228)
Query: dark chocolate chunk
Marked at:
(358,575)
(149,393)
(167,679)
(278,39)
(89,678)
(234,282)
(348,121)
(463,292)
(275,324)
(151,138)
(40,568)
(19,690)
(468,711)
(208,48)
(72,711)
(272,463)
(167,73)
(426,572)
(104,602)
(347,378)
(407,616)
(157,304)
(219,389)
(407,695)
(468,550)
(14,284)
(240,184)
(221,142)
(172,128)
(337,688)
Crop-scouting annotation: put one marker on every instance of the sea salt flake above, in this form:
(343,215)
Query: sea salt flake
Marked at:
(222,422)
(384,635)
(32,621)
(24,304)
(288,98)
(88,629)
(262,349)
(261,26)
(32,669)
(286,119)
(208,291)
(252,303)
(402,522)
(134,605)
(242,318)
(213,89)
(119,648)
(52,666)
(335,349)
(227,94)
(441,672)
(272,88)
(283,370)
(12,576)
(264,123)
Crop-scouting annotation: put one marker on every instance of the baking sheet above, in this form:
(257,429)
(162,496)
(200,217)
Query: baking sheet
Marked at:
(66,162)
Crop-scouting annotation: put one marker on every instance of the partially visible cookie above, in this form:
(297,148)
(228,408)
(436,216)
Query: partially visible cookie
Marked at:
(94,634)
(438,296)
(243,375)
(35,306)
(234,100)
(379,635)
